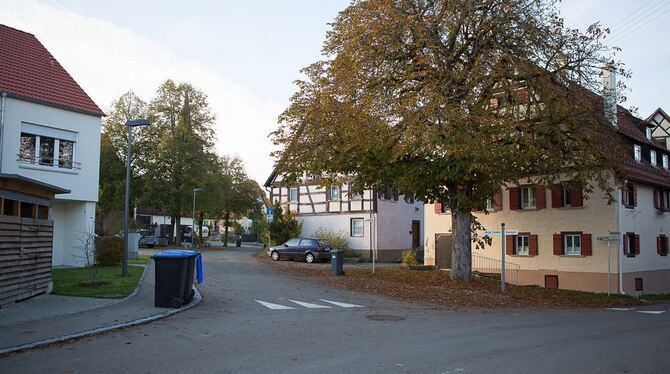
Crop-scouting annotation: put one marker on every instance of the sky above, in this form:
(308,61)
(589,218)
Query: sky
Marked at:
(245,55)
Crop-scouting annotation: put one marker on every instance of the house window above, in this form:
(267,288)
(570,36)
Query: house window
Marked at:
(566,196)
(357,227)
(335,192)
(354,195)
(648,132)
(631,244)
(662,245)
(629,195)
(637,152)
(572,244)
(522,245)
(46,151)
(489,204)
(293,195)
(665,162)
(652,157)
(528,198)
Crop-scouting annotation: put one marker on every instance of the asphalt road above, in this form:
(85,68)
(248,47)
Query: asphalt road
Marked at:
(231,332)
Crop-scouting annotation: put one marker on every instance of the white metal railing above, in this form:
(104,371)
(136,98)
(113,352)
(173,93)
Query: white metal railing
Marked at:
(55,163)
(491,268)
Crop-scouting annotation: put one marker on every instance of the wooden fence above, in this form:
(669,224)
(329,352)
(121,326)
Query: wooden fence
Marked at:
(26,246)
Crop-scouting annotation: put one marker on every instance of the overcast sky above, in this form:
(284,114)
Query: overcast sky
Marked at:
(246,54)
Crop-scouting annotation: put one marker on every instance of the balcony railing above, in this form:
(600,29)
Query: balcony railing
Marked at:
(64,164)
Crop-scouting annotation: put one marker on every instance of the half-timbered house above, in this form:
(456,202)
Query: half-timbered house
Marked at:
(373,223)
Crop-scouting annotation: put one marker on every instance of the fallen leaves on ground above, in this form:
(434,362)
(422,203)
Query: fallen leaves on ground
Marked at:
(435,287)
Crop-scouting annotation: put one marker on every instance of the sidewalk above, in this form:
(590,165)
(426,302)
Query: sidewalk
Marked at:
(49,319)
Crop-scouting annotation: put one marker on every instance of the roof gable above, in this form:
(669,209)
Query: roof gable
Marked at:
(28,71)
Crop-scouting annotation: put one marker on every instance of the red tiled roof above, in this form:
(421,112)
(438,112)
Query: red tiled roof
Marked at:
(28,71)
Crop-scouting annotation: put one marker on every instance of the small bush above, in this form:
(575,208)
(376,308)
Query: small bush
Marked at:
(108,250)
(409,258)
(337,239)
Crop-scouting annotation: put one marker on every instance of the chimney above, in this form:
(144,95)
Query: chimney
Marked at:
(609,94)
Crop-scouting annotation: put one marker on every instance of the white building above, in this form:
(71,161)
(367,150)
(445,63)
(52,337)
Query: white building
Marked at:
(50,132)
(372,222)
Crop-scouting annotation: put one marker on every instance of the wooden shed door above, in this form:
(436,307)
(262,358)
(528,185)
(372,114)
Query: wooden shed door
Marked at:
(443,251)
(416,234)
(551,281)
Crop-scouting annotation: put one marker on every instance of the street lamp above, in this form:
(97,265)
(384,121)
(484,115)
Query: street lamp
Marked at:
(130,124)
(193,218)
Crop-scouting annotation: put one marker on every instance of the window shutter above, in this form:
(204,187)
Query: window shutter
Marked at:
(576,195)
(586,245)
(558,244)
(637,244)
(659,245)
(509,244)
(438,207)
(625,244)
(656,200)
(666,246)
(541,197)
(532,245)
(514,198)
(497,201)
(556,198)
(634,202)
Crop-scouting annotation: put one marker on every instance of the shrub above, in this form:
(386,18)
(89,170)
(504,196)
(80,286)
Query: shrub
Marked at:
(409,258)
(284,226)
(337,239)
(108,250)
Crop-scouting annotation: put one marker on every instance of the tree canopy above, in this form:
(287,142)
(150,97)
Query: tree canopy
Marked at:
(450,100)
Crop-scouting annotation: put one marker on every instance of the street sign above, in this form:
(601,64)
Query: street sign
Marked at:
(499,232)
(608,238)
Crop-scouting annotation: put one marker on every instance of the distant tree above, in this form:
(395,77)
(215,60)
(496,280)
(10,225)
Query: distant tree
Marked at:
(449,101)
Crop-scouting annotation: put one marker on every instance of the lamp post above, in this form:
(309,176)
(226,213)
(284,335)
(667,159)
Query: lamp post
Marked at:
(193,218)
(130,124)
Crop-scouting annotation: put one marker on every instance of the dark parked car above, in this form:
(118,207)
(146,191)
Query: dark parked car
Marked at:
(309,249)
(147,239)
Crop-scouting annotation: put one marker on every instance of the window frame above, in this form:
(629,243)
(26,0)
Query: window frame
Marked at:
(290,193)
(339,193)
(519,239)
(571,235)
(565,198)
(637,152)
(531,195)
(648,132)
(652,158)
(664,159)
(56,163)
(352,232)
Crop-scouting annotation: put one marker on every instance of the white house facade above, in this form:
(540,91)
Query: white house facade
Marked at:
(50,132)
(374,224)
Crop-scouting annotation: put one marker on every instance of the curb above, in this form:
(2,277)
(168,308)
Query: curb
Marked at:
(197,298)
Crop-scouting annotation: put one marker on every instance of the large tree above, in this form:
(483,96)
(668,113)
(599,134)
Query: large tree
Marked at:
(450,100)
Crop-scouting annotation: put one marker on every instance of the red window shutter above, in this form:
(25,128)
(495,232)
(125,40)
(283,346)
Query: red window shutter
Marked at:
(438,207)
(656,200)
(509,244)
(659,244)
(541,197)
(556,195)
(637,244)
(514,203)
(497,201)
(634,203)
(532,245)
(576,195)
(666,246)
(586,245)
(625,244)
(558,244)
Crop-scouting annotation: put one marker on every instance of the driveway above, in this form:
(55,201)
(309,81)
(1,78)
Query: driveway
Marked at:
(260,320)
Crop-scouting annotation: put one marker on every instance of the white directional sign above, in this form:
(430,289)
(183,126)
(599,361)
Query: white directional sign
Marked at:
(499,232)
(608,238)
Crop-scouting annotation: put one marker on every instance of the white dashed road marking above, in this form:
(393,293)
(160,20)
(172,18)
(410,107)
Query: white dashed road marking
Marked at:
(343,305)
(651,311)
(310,305)
(274,306)
(619,309)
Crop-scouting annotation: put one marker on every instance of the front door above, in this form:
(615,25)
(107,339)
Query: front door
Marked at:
(416,234)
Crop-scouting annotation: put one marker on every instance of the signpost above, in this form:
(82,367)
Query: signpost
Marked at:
(502,232)
(612,236)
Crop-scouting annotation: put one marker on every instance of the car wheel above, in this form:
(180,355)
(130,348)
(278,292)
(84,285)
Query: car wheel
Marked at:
(309,258)
(150,245)
(274,255)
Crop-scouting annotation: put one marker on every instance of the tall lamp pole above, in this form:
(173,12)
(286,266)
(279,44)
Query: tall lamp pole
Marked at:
(130,124)
(193,218)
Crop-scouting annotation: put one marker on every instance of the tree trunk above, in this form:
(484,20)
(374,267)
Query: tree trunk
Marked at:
(461,247)
(226,223)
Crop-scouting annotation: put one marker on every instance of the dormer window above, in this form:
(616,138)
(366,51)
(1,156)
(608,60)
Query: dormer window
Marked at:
(637,151)
(665,162)
(652,157)
(648,132)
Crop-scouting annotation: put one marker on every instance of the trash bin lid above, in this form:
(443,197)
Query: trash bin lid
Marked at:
(176,253)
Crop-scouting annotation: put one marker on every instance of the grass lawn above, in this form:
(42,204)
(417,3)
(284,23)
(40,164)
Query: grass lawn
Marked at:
(141,260)
(76,282)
